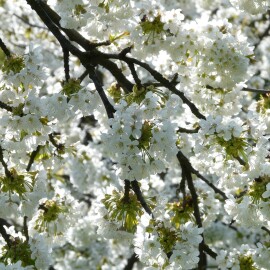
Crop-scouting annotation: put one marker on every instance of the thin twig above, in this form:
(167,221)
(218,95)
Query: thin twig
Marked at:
(126,192)
(265,229)
(131,261)
(6,107)
(217,190)
(186,130)
(4,48)
(209,251)
(32,158)
(64,42)
(186,171)
(25,228)
(66,63)
(82,77)
(257,91)
(108,106)
(3,232)
(160,78)
(137,191)
(7,172)
(134,74)
(180,155)
(241,161)
(30,24)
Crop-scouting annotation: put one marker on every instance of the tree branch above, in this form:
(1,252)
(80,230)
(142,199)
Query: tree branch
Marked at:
(32,158)
(185,130)
(157,76)
(186,171)
(131,261)
(64,42)
(3,232)
(7,172)
(181,156)
(134,74)
(6,107)
(108,106)
(127,189)
(265,229)
(66,63)
(25,228)
(137,191)
(4,48)
(257,91)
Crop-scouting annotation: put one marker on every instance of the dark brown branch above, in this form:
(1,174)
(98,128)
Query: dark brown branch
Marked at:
(102,43)
(73,35)
(25,228)
(134,74)
(3,231)
(241,161)
(117,73)
(93,56)
(217,190)
(209,251)
(66,64)
(82,77)
(64,42)
(230,226)
(186,171)
(137,191)
(108,106)
(6,107)
(126,192)
(131,261)
(158,77)
(7,172)
(182,188)
(185,130)
(265,229)
(4,48)
(257,91)
(180,155)
(32,158)
(173,81)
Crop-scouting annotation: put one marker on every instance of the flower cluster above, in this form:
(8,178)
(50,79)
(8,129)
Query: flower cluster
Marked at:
(142,140)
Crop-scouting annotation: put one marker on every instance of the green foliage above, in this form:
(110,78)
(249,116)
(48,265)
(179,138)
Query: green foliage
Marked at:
(50,213)
(263,104)
(181,211)
(79,9)
(146,136)
(14,64)
(235,147)
(127,210)
(152,28)
(137,95)
(71,87)
(257,188)
(115,92)
(167,237)
(18,250)
(247,263)
(16,183)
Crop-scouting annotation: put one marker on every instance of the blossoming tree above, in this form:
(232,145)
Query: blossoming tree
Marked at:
(134,134)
